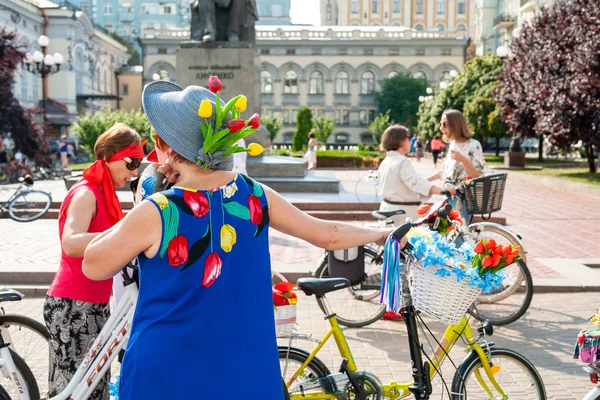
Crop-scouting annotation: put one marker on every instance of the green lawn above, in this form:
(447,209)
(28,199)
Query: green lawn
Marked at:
(581,175)
(79,166)
(499,161)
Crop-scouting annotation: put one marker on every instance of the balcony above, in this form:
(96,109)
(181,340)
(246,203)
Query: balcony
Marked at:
(527,6)
(505,21)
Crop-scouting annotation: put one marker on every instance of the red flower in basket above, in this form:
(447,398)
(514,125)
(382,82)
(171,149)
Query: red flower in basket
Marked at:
(423,209)
(479,248)
(283,294)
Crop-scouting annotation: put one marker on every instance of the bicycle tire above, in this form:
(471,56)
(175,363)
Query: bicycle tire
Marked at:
(323,272)
(45,200)
(316,368)
(4,394)
(33,349)
(463,374)
(25,376)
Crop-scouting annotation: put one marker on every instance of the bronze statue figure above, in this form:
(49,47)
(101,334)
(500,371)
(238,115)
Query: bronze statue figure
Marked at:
(223,20)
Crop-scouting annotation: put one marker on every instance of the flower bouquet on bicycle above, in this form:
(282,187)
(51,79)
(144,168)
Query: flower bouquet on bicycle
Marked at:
(587,350)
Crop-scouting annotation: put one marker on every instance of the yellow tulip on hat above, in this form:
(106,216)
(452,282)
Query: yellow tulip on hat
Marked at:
(241,103)
(255,149)
(205,110)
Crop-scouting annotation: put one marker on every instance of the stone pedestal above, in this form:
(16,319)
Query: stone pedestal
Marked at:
(514,159)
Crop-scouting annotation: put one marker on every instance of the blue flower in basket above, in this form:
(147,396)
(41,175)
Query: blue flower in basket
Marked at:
(430,260)
(460,273)
(443,272)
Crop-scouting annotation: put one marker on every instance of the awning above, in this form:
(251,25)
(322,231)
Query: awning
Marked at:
(58,120)
(98,97)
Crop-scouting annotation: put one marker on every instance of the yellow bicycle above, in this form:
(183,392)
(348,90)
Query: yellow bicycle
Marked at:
(486,373)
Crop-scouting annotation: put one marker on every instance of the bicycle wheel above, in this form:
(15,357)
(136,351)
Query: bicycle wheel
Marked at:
(24,376)
(512,299)
(517,377)
(292,358)
(29,339)
(29,205)
(357,305)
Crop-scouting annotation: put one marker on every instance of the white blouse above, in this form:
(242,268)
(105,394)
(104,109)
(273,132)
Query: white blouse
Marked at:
(399,181)
(453,172)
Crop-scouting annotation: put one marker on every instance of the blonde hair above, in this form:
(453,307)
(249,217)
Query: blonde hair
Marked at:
(457,124)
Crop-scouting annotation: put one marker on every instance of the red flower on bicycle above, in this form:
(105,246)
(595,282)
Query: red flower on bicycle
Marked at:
(423,209)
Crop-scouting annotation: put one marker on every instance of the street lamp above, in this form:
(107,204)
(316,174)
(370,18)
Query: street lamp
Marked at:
(443,85)
(421,99)
(453,73)
(44,65)
(155,77)
(429,90)
(502,51)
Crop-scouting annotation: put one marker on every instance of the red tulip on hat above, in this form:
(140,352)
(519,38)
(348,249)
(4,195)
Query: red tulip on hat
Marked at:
(235,125)
(214,84)
(254,121)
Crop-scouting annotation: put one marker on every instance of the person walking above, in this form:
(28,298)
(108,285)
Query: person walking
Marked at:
(311,153)
(204,262)
(419,149)
(63,148)
(76,308)
(436,147)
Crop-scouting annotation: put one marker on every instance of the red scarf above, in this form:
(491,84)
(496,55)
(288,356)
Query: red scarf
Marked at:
(99,174)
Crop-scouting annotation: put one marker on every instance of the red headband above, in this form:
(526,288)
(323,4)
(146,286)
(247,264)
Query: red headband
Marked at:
(98,174)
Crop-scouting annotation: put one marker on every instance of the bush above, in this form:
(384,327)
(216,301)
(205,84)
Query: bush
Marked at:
(90,127)
(303,126)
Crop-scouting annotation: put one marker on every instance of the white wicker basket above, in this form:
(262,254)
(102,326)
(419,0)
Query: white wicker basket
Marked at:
(285,316)
(440,297)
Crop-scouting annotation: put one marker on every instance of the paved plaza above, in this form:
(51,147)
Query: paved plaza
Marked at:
(557,220)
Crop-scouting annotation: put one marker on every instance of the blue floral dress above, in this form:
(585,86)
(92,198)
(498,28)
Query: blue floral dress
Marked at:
(204,325)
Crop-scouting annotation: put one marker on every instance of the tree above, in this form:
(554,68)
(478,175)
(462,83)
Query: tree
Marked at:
(551,84)
(26,131)
(400,96)
(379,125)
(135,58)
(89,127)
(483,114)
(323,128)
(273,125)
(303,126)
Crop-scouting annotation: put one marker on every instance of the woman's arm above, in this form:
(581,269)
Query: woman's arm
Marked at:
(472,171)
(330,235)
(434,177)
(139,231)
(81,211)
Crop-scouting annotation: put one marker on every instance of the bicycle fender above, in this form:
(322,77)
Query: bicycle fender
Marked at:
(460,371)
(593,394)
(516,237)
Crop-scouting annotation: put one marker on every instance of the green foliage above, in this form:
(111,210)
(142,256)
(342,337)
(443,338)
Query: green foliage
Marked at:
(379,125)
(303,126)
(480,72)
(273,125)
(400,96)
(135,58)
(483,114)
(89,127)
(323,128)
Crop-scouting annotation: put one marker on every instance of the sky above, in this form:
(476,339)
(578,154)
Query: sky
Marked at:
(305,12)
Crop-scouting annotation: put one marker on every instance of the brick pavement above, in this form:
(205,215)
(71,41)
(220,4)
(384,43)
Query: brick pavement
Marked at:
(545,335)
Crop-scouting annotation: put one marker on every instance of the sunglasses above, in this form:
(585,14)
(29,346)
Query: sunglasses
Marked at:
(132,163)
(444,124)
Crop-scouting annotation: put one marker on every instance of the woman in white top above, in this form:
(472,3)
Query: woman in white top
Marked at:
(311,154)
(400,185)
(464,157)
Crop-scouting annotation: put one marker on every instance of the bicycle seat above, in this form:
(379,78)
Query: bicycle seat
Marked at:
(319,287)
(27,179)
(383,215)
(10,295)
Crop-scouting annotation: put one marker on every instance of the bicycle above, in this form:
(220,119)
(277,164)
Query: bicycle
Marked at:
(358,306)
(483,369)
(27,204)
(594,371)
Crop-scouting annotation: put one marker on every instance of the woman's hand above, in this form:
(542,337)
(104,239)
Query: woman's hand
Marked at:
(456,155)
(450,189)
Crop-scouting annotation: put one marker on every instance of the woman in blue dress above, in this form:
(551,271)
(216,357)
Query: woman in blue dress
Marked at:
(204,325)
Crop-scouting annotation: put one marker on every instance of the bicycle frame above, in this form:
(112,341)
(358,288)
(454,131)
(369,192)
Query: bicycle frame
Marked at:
(394,390)
(19,190)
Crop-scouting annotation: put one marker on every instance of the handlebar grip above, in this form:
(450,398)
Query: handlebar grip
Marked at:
(402,230)
(444,211)
(446,193)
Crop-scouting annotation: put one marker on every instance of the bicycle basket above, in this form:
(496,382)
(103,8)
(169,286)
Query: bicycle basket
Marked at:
(484,195)
(440,297)
(285,316)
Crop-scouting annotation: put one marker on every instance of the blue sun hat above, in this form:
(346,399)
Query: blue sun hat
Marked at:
(197,124)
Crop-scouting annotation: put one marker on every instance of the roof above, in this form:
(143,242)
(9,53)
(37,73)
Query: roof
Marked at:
(42,3)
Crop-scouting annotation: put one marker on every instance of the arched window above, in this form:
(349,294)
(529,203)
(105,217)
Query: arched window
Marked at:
(445,76)
(315,84)
(367,83)
(440,28)
(290,82)
(461,27)
(392,74)
(266,82)
(342,83)
(420,75)
(419,28)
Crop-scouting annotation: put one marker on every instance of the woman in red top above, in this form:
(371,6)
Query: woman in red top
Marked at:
(76,308)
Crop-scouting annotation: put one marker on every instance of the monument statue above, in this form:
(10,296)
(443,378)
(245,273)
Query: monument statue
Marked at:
(223,20)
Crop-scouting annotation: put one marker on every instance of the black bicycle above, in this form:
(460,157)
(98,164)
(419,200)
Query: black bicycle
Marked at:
(27,204)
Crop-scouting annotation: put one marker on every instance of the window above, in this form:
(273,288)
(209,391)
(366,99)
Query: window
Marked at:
(439,28)
(396,6)
(266,85)
(420,8)
(342,83)
(461,27)
(375,8)
(293,116)
(354,6)
(392,74)
(367,138)
(345,117)
(290,82)
(367,83)
(419,28)
(168,9)
(109,27)
(419,52)
(441,6)
(445,76)
(150,8)
(446,52)
(291,52)
(420,75)
(341,138)
(462,6)
(107,9)
(276,10)
(85,8)
(366,116)
(125,89)
(162,50)
(315,83)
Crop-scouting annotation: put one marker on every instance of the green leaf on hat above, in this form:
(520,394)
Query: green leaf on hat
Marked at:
(208,139)
(219,116)
(230,105)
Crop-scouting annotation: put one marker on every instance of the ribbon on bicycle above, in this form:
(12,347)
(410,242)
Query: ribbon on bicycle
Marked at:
(391,282)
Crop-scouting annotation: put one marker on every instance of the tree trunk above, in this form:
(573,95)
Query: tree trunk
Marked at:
(589,151)
(497,146)
(541,148)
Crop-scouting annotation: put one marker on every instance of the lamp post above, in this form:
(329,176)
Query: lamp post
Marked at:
(42,64)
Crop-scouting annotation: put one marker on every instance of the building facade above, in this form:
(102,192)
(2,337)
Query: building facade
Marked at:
(273,12)
(87,79)
(333,70)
